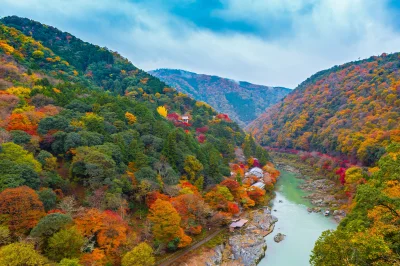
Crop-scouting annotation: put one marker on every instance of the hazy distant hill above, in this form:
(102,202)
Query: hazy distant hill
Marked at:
(242,101)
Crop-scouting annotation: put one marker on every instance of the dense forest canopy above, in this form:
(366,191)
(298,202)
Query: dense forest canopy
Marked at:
(101,162)
(352,110)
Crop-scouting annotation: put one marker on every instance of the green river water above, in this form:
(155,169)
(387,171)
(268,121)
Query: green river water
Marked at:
(301,228)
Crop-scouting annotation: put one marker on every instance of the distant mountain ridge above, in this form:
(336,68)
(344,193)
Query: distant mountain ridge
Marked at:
(242,101)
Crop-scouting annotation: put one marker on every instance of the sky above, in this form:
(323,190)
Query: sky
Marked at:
(269,42)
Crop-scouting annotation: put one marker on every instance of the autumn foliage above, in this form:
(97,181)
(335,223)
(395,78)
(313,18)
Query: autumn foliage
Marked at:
(97,164)
(20,208)
(108,227)
(351,110)
(166,223)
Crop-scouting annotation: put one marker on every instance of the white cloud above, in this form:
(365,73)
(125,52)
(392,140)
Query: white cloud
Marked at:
(257,10)
(332,32)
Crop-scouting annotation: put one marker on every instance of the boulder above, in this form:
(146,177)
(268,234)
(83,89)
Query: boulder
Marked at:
(216,259)
(248,248)
(279,237)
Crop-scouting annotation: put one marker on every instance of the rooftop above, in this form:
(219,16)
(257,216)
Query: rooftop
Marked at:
(259,185)
(239,223)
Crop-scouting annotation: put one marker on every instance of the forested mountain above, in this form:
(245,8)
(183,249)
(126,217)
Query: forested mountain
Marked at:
(90,146)
(352,109)
(242,101)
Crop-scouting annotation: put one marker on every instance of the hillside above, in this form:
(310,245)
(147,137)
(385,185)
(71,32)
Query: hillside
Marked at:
(97,163)
(351,110)
(242,101)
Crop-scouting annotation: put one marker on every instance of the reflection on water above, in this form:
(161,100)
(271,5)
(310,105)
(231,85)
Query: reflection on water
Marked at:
(301,228)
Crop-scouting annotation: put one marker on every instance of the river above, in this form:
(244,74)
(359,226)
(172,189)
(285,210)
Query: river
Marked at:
(301,228)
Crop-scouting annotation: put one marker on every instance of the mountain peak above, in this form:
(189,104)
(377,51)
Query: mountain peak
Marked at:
(241,100)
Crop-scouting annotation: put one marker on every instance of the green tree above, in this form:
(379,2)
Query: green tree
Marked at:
(141,255)
(336,248)
(49,198)
(42,156)
(69,262)
(141,160)
(13,174)
(51,224)
(249,146)
(199,183)
(66,243)
(214,164)
(21,254)
(170,150)
(72,140)
(20,137)
(14,153)
(146,173)
(94,123)
(57,122)
(262,155)
(92,166)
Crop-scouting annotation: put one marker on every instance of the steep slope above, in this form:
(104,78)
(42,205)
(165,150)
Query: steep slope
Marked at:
(352,109)
(94,66)
(90,144)
(242,101)
(81,68)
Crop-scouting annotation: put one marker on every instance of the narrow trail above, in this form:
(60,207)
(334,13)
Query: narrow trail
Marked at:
(184,252)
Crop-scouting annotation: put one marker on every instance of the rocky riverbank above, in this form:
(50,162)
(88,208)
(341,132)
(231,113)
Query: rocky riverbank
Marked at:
(246,246)
(321,193)
(321,196)
(243,247)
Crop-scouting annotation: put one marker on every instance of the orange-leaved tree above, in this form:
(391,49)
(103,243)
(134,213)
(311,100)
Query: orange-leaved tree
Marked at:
(256,194)
(114,232)
(192,209)
(20,209)
(166,222)
(108,227)
(151,197)
(96,258)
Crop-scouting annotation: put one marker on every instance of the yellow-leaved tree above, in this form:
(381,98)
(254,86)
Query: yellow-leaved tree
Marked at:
(131,118)
(166,223)
(21,253)
(162,111)
(141,255)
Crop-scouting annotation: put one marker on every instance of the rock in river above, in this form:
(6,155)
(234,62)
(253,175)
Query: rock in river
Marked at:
(279,237)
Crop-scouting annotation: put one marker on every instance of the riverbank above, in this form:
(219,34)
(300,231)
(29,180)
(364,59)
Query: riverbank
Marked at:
(244,246)
(301,229)
(299,188)
(323,193)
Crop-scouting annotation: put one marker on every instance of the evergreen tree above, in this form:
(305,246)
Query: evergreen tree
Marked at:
(170,150)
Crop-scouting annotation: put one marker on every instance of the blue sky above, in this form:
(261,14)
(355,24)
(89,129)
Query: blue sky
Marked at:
(271,42)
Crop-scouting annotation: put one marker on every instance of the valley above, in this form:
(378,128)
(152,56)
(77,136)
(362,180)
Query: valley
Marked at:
(241,100)
(287,213)
(301,228)
(105,164)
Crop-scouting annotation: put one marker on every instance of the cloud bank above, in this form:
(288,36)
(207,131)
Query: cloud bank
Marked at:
(271,42)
